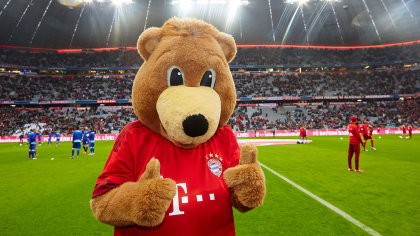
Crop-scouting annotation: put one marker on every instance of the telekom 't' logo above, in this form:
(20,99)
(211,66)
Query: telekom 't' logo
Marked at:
(184,199)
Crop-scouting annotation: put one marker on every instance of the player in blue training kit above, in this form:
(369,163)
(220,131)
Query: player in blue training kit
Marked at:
(92,143)
(39,138)
(77,141)
(85,140)
(32,144)
(57,136)
(50,134)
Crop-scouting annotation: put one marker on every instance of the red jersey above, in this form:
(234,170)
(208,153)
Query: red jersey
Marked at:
(354,134)
(302,132)
(202,204)
(403,128)
(409,128)
(370,130)
(363,129)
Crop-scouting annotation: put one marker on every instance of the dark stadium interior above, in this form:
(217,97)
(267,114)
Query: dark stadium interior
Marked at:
(395,21)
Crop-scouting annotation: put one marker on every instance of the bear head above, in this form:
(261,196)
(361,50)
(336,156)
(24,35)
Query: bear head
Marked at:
(184,89)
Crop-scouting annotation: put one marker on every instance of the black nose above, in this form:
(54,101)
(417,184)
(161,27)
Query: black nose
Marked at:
(195,125)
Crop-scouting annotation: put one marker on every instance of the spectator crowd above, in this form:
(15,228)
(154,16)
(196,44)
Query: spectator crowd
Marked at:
(108,119)
(30,88)
(111,119)
(103,120)
(328,84)
(299,56)
(46,88)
(379,114)
(245,56)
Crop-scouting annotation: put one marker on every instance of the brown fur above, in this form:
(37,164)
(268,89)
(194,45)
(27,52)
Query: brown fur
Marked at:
(136,203)
(193,46)
(246,180)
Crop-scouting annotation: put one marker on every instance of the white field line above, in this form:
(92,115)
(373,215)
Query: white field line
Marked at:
(325,203)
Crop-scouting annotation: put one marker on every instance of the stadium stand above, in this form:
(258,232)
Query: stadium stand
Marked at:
(247,85)
(290,56)
(103,119)
(64,87)
(328,84)
(379,114)
(316,100)
(245,56)
(41,58)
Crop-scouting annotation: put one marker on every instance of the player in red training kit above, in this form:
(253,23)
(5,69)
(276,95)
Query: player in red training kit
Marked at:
(370,132)
(367,130)
(403,130)
(363,130)
(410,130)
(303,134)
(354,145)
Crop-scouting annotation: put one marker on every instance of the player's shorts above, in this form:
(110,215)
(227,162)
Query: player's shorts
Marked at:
(32,146)
(367,137)
(92,144)
(77,144)
(354,148)
(85,142)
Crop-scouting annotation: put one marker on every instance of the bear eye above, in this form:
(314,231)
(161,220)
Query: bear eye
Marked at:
(209,78)
(175,76)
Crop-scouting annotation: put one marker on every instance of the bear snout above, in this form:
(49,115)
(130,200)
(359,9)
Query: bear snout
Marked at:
(188,115)
(195,125)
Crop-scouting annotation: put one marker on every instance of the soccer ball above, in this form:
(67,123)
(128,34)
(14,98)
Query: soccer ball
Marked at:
(401,136)
(52,158)
(341,138)
(380,137)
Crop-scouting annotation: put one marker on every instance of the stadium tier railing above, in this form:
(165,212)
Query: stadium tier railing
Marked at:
(241,99)
(410,61)
(314,132)
(238,134)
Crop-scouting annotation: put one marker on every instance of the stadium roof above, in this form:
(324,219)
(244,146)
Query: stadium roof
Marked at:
(115,23)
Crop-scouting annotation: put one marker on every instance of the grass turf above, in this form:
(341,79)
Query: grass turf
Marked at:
(45,196)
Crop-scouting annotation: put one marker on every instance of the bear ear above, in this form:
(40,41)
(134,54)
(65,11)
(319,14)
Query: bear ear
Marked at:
(227,43)
(148,41)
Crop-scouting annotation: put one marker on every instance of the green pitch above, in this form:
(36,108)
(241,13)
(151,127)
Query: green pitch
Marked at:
(51,197)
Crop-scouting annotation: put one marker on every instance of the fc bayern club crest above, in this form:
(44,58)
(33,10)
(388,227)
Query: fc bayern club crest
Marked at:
(215,166)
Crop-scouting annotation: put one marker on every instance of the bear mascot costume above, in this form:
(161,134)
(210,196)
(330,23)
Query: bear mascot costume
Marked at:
(178,169)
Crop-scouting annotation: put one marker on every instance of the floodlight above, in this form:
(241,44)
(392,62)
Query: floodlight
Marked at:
(184,5)
(300,2)
(210,2)
(120,2)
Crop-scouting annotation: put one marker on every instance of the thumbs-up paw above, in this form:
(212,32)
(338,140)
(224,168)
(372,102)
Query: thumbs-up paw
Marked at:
(247,181)
(155,194)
